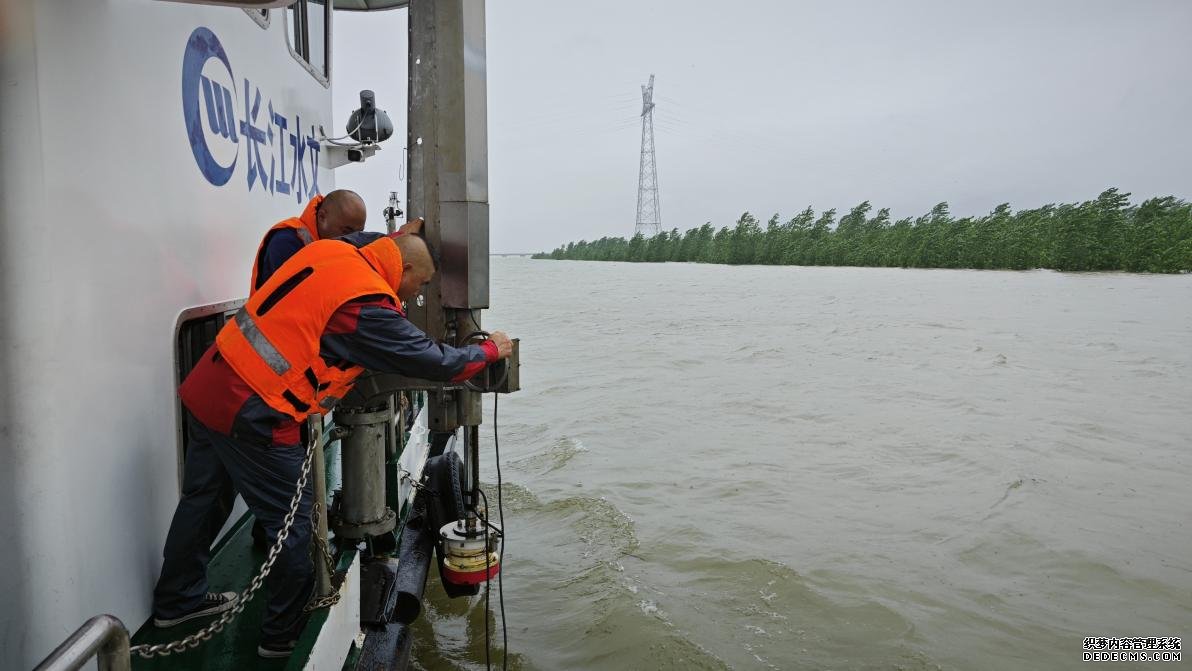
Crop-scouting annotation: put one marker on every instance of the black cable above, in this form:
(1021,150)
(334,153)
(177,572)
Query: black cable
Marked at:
(487,568)
(487,644)
(485,519)
(500,534)
(501,517)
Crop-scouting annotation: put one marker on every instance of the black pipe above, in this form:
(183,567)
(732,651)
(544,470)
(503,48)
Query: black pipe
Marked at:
(386,648)
(417,545)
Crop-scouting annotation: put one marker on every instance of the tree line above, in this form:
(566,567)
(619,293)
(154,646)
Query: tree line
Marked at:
(1108,233)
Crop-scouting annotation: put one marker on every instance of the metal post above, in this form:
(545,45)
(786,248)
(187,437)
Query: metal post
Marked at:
(392,213)
(472,449)
(448,143)
(394,428)
(319,474)
(448,176)
(471,469)
(103,637)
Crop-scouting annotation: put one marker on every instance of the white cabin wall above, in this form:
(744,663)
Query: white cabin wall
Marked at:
(20,197)
(104,243)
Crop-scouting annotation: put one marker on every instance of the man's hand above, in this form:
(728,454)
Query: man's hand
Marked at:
(503,343)
(412,227)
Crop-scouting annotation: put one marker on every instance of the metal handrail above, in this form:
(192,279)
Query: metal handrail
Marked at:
(103,637)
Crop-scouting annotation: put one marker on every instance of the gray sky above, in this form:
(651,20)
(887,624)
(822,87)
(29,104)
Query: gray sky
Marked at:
(773,106)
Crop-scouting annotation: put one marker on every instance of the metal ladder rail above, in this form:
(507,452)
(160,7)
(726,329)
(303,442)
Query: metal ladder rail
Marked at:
(103,637)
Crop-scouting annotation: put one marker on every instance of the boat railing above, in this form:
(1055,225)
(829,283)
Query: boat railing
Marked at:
(103,637)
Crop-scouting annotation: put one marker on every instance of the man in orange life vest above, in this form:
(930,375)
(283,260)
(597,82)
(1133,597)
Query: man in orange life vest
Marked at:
(338,213)
(295,348)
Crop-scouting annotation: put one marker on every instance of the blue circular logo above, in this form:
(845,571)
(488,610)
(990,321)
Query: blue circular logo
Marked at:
(209,106)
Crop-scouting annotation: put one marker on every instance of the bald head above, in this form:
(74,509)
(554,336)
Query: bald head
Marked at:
(418,265)
(341,212)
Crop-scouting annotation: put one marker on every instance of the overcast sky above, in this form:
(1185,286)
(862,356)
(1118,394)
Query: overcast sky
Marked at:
(773,106)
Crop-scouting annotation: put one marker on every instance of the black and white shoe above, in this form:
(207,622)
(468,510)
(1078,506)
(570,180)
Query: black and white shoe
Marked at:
(275,650)
(213,603)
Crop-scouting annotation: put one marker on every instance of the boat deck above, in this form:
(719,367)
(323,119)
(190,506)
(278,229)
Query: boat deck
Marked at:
(233,565)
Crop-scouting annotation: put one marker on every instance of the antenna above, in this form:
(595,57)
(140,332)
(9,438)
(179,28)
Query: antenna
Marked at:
(649,213)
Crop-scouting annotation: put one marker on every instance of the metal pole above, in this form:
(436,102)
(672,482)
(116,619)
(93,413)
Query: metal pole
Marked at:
(392,213)
(473,446)
(448,174)
(319,474)
(471,472)
(103,637)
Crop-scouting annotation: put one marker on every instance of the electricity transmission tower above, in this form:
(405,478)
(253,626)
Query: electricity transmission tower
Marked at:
(649,214)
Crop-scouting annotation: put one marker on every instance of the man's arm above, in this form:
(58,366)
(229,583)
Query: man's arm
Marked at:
(279,247)
(373,334)
(360,238)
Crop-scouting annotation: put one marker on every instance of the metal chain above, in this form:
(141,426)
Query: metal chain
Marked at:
(321,544)
(206,633)
(403,474)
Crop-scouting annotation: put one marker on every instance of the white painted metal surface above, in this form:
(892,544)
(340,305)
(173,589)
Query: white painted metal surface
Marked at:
(111,227)
(341,627)
(413,459)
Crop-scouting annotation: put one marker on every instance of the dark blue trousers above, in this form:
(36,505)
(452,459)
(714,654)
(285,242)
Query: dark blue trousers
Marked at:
(217,467)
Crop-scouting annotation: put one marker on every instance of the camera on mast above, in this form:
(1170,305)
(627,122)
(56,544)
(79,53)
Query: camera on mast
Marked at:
(369,124)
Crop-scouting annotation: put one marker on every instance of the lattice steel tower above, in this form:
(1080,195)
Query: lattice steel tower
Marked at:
(649,213)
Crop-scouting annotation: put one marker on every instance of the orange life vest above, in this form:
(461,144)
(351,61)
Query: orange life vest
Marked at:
(306,226)
(273,341)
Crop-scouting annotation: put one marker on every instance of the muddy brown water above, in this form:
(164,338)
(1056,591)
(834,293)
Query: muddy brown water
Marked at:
(719,467)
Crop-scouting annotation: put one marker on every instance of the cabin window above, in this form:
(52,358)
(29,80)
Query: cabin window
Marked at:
(260,16)
(308,34)
(193,334)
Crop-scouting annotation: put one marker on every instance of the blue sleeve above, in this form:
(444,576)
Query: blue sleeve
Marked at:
(279,247)
(360,238)
(385,341)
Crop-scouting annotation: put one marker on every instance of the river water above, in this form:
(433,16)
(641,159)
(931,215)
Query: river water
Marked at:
(718,467)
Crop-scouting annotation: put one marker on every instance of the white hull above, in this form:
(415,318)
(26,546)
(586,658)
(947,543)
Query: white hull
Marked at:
(109,231)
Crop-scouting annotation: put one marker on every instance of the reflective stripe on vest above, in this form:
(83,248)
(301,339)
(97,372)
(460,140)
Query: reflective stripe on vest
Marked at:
(260,343)
(273,342)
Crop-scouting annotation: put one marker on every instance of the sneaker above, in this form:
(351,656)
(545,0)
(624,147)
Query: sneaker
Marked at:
(214,602)
(275,650)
